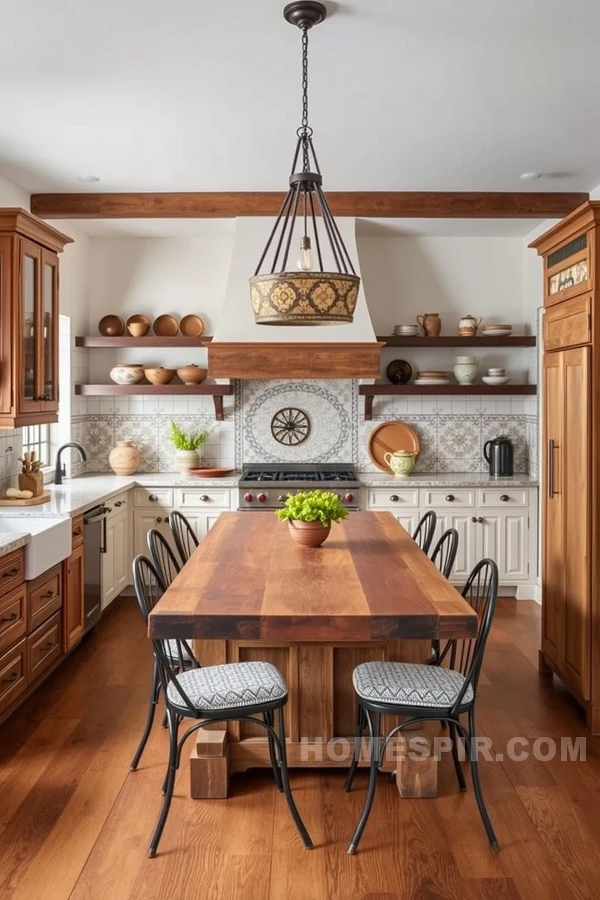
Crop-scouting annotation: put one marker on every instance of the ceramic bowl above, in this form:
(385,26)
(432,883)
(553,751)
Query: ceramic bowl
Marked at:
(111,326)
(127,374)
(192,374)
(496,372)
(138,326)
(191,326)
(166,326)
(495,380)
(159,375)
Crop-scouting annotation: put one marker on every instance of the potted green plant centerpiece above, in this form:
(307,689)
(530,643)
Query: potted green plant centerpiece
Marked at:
(186,447)
(309,515)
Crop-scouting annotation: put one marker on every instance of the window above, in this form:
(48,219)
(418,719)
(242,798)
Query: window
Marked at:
(36,438)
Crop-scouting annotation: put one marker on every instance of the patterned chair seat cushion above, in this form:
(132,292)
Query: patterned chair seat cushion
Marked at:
(229,686)
(409,684)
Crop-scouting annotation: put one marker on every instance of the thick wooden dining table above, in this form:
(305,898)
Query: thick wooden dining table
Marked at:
(250,592)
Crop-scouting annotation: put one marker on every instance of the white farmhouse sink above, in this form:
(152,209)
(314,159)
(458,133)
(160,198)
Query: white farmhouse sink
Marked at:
(50,540)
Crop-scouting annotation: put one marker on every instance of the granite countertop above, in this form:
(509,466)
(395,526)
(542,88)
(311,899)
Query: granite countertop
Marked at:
(79,494)
(447,479)
(10,542)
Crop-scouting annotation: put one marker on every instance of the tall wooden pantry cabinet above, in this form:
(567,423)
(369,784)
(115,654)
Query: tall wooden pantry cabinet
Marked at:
(570,646)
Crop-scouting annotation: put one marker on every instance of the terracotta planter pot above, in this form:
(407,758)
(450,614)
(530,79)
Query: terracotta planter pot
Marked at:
(308,534)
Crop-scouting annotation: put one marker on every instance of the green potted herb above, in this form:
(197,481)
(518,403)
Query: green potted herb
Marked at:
(186,447)
(309,515)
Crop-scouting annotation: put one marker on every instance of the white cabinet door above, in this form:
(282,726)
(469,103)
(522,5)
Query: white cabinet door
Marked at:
(467,554)
(508,544)
(490,537)
(121,556)
(408,520)
(143,521)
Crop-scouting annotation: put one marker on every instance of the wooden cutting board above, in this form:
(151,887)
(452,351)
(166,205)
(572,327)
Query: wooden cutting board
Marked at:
(33,501)
(389,437)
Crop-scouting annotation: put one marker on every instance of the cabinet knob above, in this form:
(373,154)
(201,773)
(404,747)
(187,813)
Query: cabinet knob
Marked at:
(480,519)
(473,518)
(204,498)
(159,519)
(394,498)
(450,498)
(153,498)
(505,498)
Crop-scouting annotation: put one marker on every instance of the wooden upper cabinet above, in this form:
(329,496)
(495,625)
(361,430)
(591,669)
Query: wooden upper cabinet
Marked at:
(29,311)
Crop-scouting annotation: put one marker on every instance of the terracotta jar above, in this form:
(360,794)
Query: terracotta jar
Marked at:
(431,324)
(308,534)
(124,458)
(192,374)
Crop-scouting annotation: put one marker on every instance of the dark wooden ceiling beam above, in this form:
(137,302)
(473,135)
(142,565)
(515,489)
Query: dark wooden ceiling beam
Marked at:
(365,204)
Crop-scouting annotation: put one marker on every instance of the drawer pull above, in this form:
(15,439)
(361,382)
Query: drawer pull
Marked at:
(10,573)
(153,498)
(48,646)
(450,498)
(13,616)
(77,532)
(119,503)
(11,678)
(394,498)
(159,519)
(48,595)
(205,498)
(505,498)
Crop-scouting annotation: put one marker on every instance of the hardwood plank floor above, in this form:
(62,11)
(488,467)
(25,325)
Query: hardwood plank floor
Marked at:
(75,823)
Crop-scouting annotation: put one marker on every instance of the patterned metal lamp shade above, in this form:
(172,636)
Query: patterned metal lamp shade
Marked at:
(310,296)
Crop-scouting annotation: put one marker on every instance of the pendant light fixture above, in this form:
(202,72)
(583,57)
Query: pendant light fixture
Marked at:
(294,288)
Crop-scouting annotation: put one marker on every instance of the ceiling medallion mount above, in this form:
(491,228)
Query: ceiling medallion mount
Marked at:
(313,294)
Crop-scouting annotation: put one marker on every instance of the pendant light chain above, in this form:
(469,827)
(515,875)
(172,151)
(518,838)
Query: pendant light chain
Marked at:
(305,130)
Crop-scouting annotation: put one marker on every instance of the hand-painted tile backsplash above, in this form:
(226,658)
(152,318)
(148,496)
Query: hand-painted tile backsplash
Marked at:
(452,430)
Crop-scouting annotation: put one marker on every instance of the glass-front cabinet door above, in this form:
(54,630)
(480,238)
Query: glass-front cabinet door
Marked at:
(48,331)
(28,350)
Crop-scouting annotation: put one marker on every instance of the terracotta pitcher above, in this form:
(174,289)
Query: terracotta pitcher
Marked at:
(431,324)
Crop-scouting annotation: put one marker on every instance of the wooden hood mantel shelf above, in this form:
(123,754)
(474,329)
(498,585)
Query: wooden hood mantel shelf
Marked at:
(294,359)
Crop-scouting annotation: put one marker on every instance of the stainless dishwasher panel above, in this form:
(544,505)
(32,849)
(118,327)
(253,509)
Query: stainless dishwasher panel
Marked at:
(94,546)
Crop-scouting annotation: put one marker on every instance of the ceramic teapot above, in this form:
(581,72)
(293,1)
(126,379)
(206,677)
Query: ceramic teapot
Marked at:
(468,325)
(402,462)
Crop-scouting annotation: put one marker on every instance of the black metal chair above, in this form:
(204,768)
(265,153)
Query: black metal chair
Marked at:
(444,556)
(245,692)
(425,693)
(183,535)
(162,556)
(182,658)
(423,533)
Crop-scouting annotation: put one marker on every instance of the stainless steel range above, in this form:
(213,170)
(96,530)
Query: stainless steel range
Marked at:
(267,486)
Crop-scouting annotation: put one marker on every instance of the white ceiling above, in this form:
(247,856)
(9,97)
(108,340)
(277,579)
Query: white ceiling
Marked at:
(430,95)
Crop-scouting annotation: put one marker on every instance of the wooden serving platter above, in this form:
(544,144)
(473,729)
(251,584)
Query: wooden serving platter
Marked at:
(33,501)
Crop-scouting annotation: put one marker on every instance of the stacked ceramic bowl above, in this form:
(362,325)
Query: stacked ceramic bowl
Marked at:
(496,330)
(431,377)
(495,377)
(406,330)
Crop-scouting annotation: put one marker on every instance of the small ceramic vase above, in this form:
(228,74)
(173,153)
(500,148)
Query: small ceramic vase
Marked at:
(186,460)
(124,458)
(308,534)
(402,462)
(468,325)
(431,324)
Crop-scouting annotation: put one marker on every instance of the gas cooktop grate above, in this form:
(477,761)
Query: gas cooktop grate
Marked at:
(277,475)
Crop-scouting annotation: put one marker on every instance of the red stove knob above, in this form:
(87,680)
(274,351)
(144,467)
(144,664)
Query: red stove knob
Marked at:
(262,498)
(349,497)
(248,497)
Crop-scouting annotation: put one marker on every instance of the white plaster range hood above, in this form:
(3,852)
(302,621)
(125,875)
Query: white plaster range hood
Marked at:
(242,349)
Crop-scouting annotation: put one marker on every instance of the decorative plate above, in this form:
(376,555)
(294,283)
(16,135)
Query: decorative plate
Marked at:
(389,437)
(399,371)
(290,426)
(191,326)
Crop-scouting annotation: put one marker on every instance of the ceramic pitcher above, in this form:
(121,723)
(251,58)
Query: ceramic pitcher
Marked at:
(402,462)
(431,324)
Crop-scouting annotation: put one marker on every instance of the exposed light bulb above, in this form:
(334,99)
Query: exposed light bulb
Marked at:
(305,261)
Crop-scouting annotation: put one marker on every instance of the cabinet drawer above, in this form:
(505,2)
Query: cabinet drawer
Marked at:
(118,504)
(392,498)
(76,531)
(200,499)
(13,617)
(144,497)
(568,324)
(13,674)
(43,647)
(447,498)
(44,597)
(12,571)
(503,498)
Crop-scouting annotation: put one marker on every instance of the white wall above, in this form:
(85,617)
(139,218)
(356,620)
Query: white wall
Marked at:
(12,195)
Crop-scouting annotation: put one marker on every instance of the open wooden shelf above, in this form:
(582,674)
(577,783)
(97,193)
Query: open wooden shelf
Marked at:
(370,391)
(152,340)
(217,391)
(455,340)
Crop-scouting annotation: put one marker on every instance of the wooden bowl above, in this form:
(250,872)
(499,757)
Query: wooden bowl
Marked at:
(211,472)
(192,374)
(138,326)
(159,375)
(166,326)
(191,326)
(111,326)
